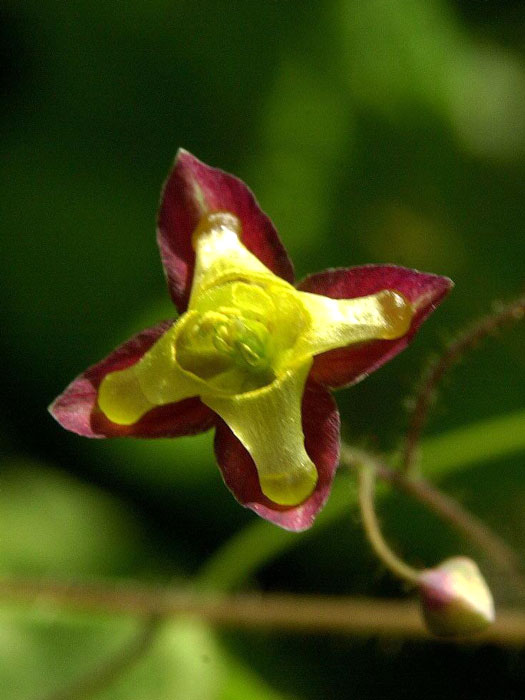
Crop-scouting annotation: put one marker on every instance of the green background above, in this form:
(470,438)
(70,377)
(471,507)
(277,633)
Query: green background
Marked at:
(370,131)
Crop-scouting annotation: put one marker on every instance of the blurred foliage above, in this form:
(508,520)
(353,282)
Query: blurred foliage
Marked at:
(371,132)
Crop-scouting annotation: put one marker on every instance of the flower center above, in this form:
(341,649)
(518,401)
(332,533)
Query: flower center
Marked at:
(244,341)
(236,335)
(229,351)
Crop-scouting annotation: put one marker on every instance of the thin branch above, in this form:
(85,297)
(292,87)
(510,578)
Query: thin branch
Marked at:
(290,613)
(110,669)
(447,508)
(513,311)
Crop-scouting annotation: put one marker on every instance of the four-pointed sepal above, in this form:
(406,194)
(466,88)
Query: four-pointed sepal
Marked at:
(193,190)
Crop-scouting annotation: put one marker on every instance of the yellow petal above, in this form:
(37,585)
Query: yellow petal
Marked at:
(220,255)
(268,423)
(121,398)
(336,323)
(156,379)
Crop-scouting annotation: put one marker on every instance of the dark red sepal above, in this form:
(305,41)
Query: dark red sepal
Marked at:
(76,408)
(344,366)
(193,189)
(321,429)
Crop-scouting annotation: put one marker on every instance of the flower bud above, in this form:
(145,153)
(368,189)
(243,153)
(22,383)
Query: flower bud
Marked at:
(455,598)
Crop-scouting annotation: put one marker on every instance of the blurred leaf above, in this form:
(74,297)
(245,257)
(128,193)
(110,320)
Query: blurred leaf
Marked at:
(183,663)
(52,523)
(243,683)
(398,54)
(416,52)
(487,102)
(43,650)
(474,444)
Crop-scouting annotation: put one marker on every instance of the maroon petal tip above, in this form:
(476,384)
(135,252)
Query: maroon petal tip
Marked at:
(193,189)
(76,408)
(321,429)
(345,366)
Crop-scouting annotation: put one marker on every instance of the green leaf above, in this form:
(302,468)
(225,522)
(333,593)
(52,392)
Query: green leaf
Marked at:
(52,523)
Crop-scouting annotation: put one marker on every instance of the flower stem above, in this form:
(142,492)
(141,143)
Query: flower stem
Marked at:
(469,339)
(291,613)
(445,507)
(366,476)
(259,543)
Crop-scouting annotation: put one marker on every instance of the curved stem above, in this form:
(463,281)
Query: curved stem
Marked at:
(445,507)
(366,476)
(514,311)
(261,542)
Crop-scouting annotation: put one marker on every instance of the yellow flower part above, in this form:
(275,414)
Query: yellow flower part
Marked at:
(245,346)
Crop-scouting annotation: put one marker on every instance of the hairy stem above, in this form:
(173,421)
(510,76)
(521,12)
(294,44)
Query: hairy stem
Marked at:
(466,341)
(291,613)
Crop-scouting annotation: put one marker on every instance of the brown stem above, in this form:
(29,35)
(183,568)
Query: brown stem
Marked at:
(291,613)
(513,311)
(446,508)
(109,670)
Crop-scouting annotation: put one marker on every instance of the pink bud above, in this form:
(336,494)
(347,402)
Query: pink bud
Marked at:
(455,598)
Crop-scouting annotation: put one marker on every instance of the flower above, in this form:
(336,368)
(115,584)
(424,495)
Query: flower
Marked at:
(250,354)
(455,598)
